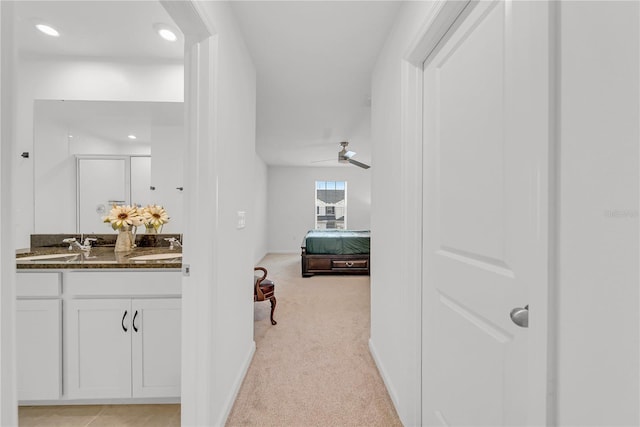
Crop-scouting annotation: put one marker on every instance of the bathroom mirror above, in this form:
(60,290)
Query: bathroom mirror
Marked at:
(86,150)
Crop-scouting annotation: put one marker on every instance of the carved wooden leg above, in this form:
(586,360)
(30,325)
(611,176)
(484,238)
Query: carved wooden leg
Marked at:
(273,307)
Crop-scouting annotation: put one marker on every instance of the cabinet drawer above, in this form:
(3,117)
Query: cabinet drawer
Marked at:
(123,283)
(319,264)
(355,264)
(37,285)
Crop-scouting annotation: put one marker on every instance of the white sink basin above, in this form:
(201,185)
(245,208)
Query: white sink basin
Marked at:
(46,257)
(155,257)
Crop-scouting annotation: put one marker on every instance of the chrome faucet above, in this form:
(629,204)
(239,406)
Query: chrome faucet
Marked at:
(85,246)
(173,241)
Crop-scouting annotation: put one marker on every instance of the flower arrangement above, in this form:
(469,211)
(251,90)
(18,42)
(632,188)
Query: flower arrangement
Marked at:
(124,217)
(154,217)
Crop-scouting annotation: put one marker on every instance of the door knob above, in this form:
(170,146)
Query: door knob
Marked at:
(520,316)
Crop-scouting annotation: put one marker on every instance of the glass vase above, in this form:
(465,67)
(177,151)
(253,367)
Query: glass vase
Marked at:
(125,240)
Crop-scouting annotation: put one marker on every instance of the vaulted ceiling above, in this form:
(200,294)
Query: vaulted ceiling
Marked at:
(314,61)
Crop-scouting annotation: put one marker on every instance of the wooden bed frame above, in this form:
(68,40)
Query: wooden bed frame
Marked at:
(333,264)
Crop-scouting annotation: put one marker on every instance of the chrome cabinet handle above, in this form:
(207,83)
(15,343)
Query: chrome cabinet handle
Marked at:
(124,328)
(520,316)
(133,322)
(349,264)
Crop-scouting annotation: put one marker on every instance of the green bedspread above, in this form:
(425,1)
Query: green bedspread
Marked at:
(338,242)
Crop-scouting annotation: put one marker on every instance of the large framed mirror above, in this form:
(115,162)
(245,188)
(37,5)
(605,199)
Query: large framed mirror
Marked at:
(91,154)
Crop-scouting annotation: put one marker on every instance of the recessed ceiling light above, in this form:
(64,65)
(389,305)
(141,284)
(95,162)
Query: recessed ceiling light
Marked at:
(132,136)
(48,30)
(166,32)
(168,35)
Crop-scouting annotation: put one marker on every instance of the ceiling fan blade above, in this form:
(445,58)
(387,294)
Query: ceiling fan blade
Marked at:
(357,163)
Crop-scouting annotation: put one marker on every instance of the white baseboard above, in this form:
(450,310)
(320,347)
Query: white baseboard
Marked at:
(122,401)
(228,405)
(385,377)
(260,258)
(283,252)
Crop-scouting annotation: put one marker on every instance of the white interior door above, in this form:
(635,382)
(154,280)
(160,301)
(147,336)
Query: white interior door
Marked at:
(167,173)
(141,193)
(486,147)
(102,182)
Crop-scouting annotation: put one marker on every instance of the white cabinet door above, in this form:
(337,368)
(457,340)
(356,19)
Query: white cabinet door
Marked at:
(98,344)
(156,347)
(38,349)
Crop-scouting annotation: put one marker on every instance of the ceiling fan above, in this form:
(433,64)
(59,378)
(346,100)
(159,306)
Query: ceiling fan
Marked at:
(346,156)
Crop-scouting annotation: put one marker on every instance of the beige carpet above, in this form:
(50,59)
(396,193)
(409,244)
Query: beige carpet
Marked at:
(314,367)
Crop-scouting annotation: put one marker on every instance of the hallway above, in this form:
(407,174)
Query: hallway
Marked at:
(314,367)
(504,175)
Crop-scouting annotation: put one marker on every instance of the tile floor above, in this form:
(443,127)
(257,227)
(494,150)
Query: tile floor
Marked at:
(100,415)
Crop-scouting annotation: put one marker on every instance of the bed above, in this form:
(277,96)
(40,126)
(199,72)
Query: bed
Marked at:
(336,252)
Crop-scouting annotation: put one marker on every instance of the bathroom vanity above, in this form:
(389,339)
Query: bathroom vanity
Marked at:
(99,328)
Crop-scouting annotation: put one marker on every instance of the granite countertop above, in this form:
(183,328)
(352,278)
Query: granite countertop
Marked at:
(97,258)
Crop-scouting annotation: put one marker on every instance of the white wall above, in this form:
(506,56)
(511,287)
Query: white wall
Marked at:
(260,209)
(392,341)
(291,203)
(8,389)
(235,122)
(598,295)
(77,79)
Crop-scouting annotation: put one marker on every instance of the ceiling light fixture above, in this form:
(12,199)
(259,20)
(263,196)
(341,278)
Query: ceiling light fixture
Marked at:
(132,136)
(166,32)
(48,30)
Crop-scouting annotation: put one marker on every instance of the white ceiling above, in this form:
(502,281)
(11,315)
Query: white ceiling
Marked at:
(112,29)
(313,59)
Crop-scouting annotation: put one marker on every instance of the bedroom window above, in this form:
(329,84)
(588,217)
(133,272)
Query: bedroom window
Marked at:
(331,205)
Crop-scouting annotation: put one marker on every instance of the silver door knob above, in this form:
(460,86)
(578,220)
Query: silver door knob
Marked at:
(520,316)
